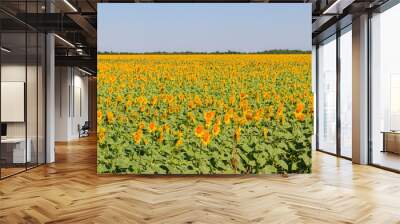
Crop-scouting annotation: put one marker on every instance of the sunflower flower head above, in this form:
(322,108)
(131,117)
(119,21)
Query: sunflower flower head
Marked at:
(206,138)
(99,116)
(101,134)
(179,142)
(208,117)
(137,136)
(216,129)
(300,108)
(198,131)
(227,118)
(110,117)
(152,127)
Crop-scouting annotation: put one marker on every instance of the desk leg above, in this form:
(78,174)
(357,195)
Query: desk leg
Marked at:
(384,142)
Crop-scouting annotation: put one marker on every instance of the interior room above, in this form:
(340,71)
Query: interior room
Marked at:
(22,104)
(50,141)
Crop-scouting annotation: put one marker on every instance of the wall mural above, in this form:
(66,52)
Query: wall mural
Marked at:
(204,112)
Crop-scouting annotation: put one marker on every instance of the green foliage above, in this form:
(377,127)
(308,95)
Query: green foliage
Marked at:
(128,84)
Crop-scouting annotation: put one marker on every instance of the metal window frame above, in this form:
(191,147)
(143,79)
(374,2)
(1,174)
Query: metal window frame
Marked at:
(338,96)
(339,32)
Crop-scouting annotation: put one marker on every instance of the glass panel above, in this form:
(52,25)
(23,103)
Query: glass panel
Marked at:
(346,92)
(385,95)
(327,96)
(31,87)
(13,86)
(31,97)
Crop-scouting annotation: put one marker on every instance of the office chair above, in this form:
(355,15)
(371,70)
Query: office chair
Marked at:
(84,130)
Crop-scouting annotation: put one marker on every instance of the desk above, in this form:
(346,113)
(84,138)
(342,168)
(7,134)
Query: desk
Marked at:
(16,147)
(391,141)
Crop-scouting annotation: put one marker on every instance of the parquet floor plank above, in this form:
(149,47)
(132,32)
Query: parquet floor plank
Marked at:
(70,191)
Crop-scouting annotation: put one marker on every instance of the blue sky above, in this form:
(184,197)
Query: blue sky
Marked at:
(148,27)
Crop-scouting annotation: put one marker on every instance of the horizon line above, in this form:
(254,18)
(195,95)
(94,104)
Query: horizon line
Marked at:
(210,52)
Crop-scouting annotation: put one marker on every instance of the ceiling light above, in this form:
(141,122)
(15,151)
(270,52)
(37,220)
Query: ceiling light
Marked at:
(65,41)
(5,50)
(86,72)
(338,6)
(70,5)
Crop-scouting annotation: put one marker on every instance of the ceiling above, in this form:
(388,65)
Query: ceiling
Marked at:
(75,21)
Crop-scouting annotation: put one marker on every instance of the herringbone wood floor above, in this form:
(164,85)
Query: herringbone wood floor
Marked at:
(69,191)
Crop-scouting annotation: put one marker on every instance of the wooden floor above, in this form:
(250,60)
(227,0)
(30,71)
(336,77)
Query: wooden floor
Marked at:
(387,159)
(69,191)
(5,172)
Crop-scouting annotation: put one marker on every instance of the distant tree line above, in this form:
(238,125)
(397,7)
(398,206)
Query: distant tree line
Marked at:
(276,51)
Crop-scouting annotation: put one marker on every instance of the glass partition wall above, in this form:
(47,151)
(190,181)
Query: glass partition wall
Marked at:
(345,61)
(334,94)
(385,89)
(334,110)
(13,89)
(22,89)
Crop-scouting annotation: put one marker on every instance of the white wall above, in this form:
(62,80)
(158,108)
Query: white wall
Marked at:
(33,126)
(62,83)
(12,73)
(80,93)
(70,83)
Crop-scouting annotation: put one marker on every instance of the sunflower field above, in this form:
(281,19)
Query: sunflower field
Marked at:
(204,113)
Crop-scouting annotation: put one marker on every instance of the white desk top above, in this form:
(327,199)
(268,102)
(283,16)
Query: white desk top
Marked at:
(13,140)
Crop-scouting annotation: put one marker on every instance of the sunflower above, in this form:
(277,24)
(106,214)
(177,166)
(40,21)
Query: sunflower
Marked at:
(299,108)
(227,118)
(152,127)
(179,142)
(198,131)
(137,136)
(101,135)
(161,137)
(99,116)
(208,117)
(237,134)
(216,129)
(206,138)
(298,114)
(110,117)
